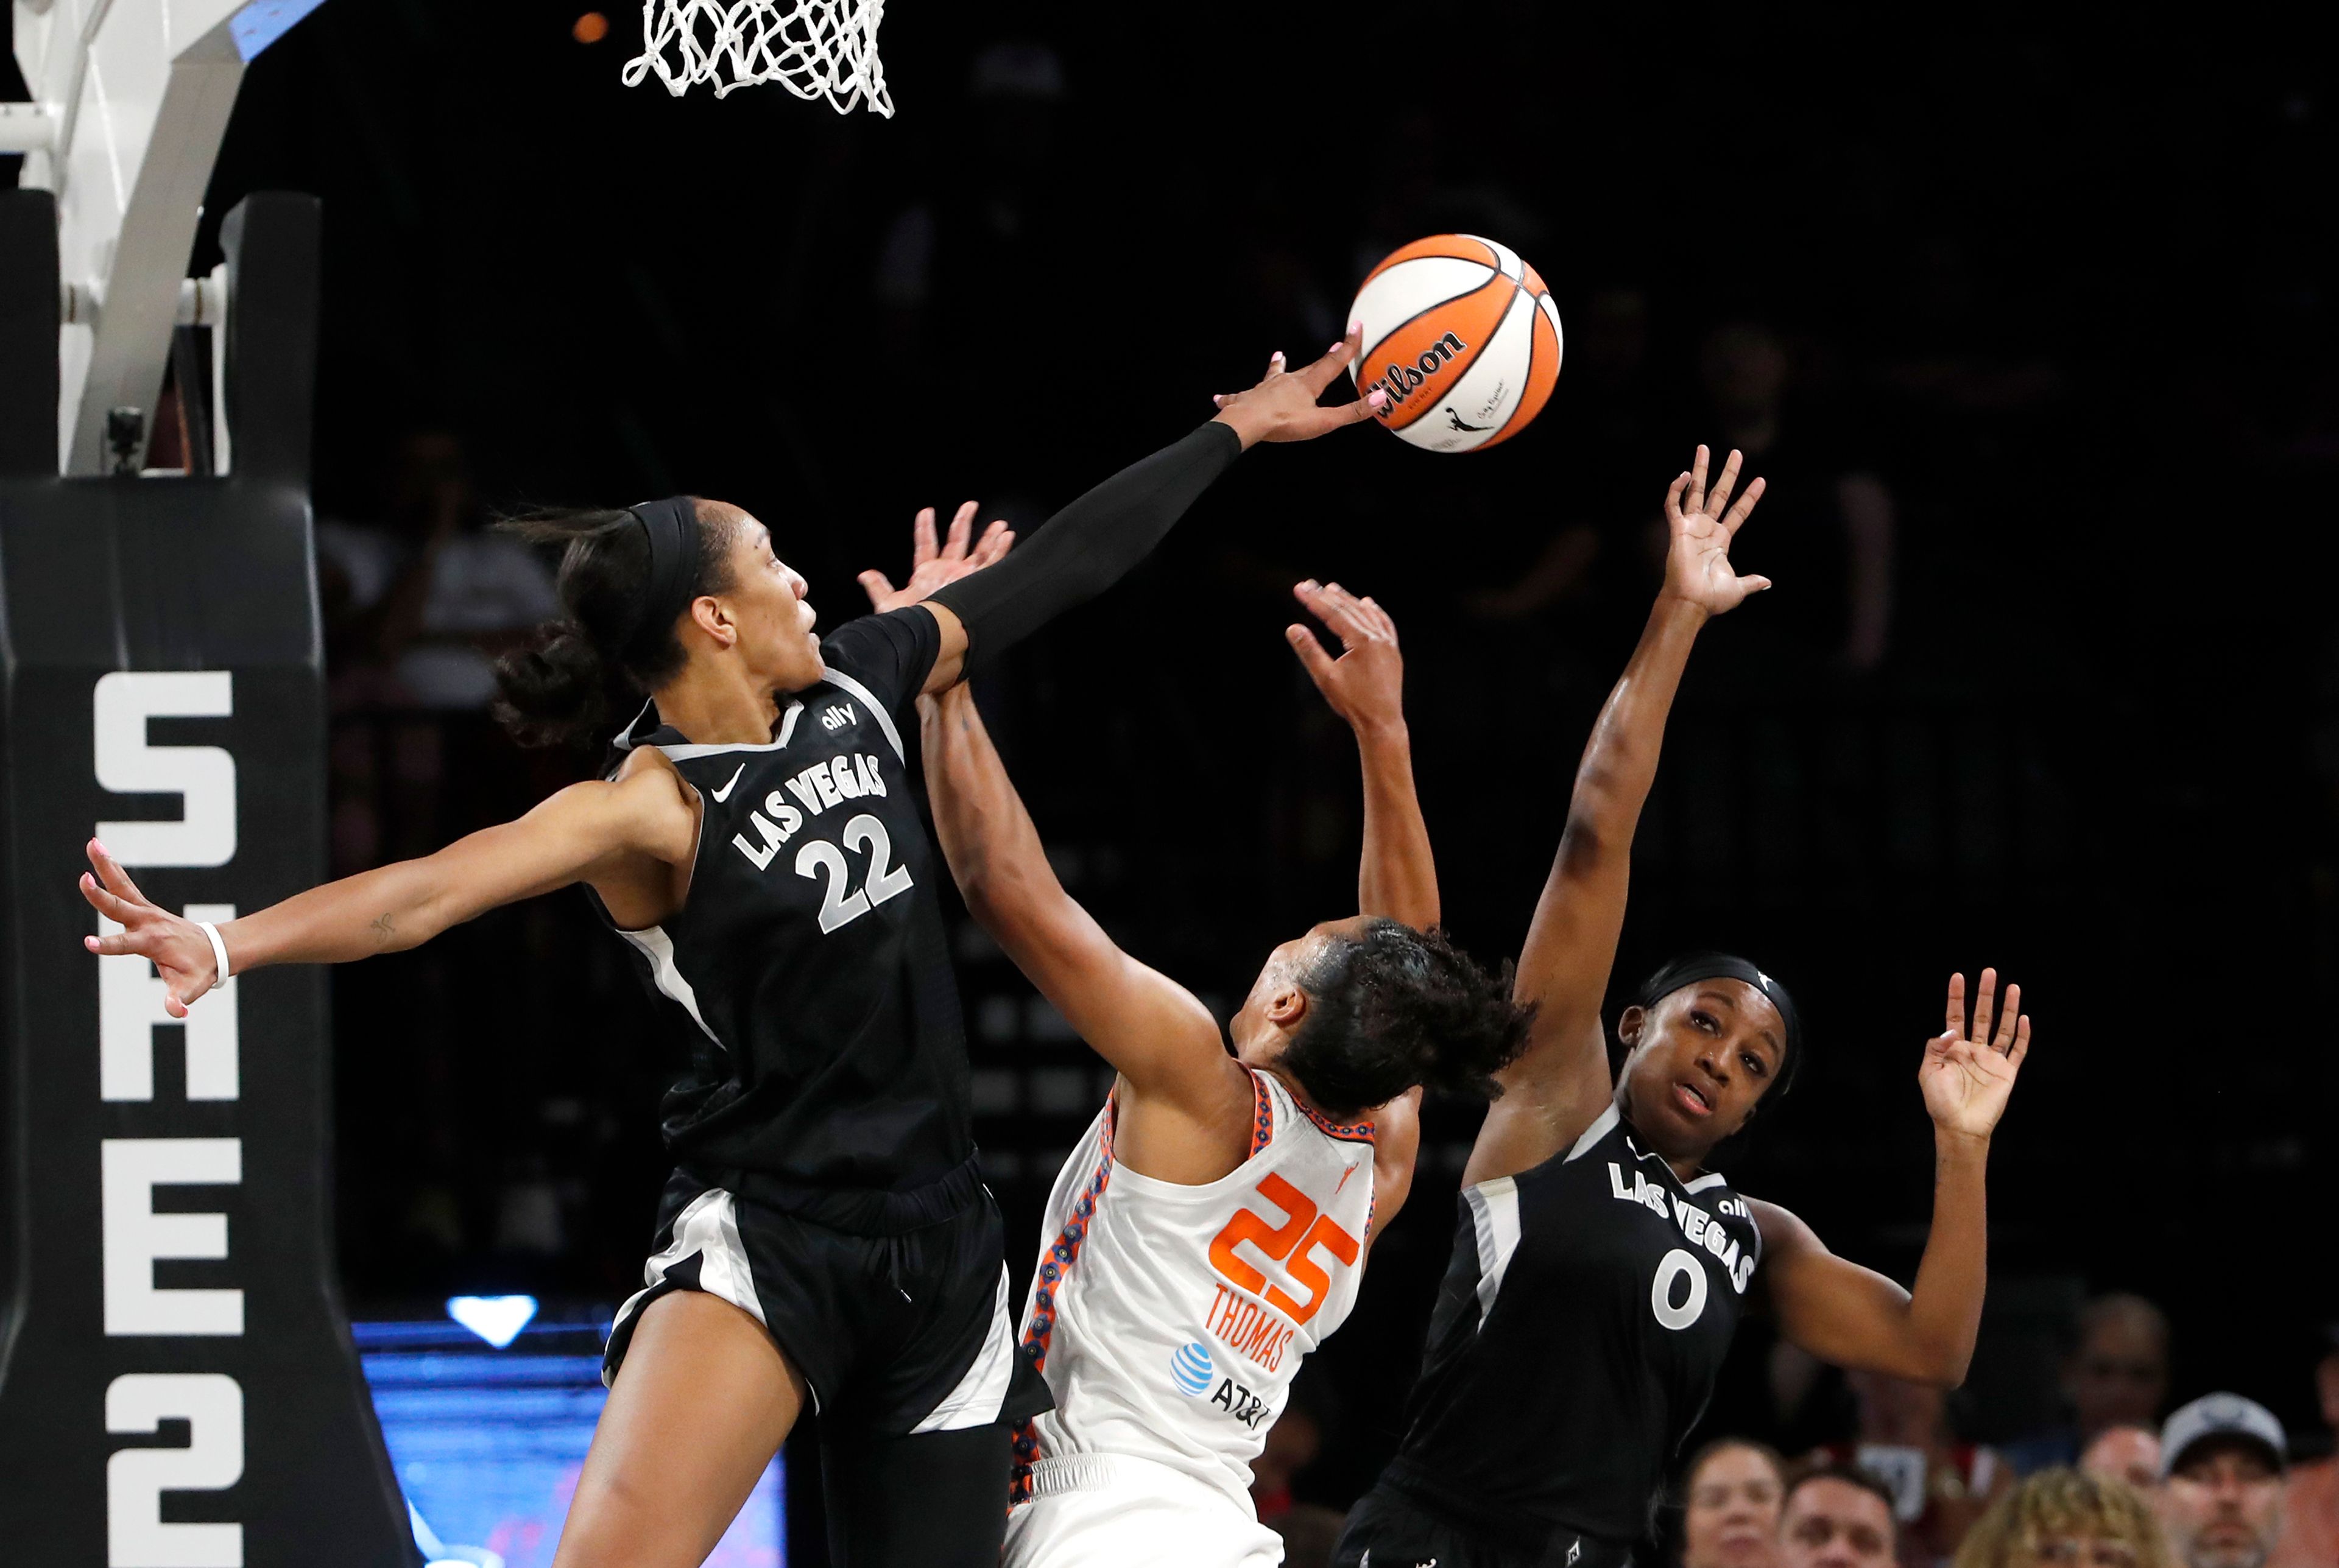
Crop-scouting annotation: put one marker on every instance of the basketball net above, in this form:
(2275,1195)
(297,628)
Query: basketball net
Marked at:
(813,48)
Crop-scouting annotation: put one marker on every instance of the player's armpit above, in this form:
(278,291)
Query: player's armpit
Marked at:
(1396,1147)
(1554,1091)
(1839,1312)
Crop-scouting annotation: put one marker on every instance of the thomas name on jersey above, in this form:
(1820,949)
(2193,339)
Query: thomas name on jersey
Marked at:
(844,778)
(1696,1223)
(1247,1327)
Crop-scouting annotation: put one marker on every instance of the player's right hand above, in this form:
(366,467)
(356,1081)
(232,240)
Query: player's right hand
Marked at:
(180,952)
(930,567)
(1697,560)
(1282,407)
(1366,685)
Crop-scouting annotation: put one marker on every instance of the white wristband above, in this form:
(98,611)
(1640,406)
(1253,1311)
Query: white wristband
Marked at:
(218,953)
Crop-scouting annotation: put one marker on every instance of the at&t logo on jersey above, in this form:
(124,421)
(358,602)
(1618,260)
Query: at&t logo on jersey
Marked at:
(1191,1368)
(1195,1374)
(1240,1403)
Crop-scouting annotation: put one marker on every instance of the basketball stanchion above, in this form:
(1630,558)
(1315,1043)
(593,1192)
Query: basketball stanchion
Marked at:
(177,1384)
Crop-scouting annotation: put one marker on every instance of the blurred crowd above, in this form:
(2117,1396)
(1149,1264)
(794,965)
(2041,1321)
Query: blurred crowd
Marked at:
(2219,1483)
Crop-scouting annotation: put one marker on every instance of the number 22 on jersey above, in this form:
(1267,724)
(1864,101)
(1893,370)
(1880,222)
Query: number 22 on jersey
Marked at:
(1294,1241)
(823,859)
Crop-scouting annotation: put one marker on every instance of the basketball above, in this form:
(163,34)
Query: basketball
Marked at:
(1465,338)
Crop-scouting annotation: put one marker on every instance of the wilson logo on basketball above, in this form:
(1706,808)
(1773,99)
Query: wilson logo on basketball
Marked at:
(1400,381)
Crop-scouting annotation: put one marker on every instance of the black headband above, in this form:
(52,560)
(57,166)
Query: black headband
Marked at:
(671,525)
(1691,968)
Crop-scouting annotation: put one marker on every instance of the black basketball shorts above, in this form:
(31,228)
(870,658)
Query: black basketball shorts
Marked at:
(896,1307)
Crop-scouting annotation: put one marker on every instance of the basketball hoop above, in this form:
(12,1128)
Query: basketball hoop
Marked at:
(814,48)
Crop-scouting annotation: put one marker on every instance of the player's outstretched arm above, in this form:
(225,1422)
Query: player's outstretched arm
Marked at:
(583,832)
(1397,876)
(1088,545)
(1854,1316)
(1561,1082)
(1154,1031)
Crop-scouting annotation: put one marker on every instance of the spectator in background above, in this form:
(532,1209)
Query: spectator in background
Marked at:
(1939,1485)
(2116,1375)
(2125,1453)
(1832,551)
(433,593)
(2222,1457)
(1309,1529)
(1835,1516)
(417,607)
(1731,1495)
(2066,1519)
(466,594)
(2310,1502)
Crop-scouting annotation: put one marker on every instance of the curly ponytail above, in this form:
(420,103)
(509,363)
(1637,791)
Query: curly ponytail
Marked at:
(576,675)
(1394,1007)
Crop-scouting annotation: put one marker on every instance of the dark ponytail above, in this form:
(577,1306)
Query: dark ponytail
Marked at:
(586,670)
(1394,1007)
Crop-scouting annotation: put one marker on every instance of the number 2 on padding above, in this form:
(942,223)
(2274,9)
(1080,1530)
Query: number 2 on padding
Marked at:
(823,859)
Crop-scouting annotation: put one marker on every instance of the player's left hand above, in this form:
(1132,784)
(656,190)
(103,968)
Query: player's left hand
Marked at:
(1968,1072)
(930,566)
(1697,558)
(1282,407)
(1366,685)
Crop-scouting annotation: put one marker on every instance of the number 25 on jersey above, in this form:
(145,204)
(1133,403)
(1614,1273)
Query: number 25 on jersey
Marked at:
(1294,1241)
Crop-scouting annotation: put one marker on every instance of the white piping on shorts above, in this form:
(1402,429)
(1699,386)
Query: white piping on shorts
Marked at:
(982,1391)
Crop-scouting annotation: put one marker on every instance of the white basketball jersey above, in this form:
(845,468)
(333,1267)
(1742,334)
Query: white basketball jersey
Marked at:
(1168,1319)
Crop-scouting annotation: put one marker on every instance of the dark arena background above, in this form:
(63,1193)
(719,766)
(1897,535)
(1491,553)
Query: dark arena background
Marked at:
(2030,316)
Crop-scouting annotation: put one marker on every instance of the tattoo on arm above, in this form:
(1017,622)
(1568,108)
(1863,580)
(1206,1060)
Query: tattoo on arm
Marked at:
(382,927)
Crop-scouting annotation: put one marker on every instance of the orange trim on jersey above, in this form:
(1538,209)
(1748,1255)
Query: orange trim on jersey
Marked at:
(1262,1127)
(1055,1266)
(1347,1132)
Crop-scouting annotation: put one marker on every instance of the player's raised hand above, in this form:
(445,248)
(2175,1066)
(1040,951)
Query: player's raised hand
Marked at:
(931,566)
(1697,561)
(1366,685)
(180,952)
(1969,1070)
(1282,407)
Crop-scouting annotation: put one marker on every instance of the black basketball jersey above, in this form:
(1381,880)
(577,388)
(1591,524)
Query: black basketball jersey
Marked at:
(806,974)
(1576,1339)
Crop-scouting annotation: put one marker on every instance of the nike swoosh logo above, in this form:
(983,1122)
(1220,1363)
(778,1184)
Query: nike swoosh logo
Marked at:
(725,793)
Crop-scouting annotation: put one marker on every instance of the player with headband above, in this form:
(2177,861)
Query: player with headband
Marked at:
(1600,1268)
(825,1241)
